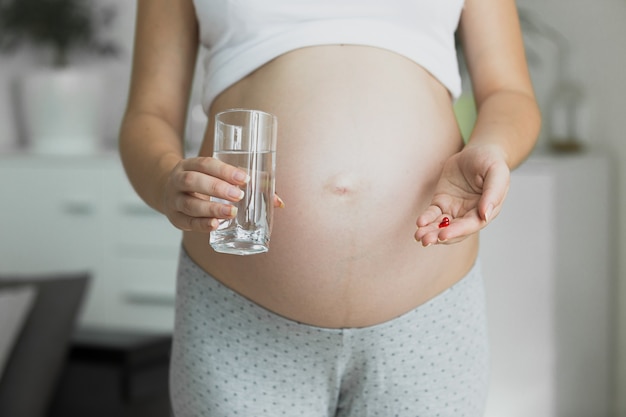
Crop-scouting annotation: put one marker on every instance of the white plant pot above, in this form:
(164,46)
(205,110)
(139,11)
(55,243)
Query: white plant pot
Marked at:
(61,111)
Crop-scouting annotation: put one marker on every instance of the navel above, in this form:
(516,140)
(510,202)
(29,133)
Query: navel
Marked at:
(344,185)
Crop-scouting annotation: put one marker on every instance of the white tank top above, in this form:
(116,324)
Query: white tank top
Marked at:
(239,36)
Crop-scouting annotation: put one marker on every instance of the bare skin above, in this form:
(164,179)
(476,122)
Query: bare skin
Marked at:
(369,161)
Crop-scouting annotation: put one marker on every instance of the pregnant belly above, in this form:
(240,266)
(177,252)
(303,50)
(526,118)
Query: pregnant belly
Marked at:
(361,145)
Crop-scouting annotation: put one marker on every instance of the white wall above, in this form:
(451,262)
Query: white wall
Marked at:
(596,30)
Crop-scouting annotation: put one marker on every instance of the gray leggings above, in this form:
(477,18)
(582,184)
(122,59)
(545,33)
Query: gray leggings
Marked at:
(232,357)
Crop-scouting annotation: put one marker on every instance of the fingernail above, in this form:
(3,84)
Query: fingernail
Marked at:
(242,177)
(234,192)
(230,211)
(281,203)
(488,212)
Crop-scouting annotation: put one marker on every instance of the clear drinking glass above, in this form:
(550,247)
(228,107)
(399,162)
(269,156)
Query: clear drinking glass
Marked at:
(247,139)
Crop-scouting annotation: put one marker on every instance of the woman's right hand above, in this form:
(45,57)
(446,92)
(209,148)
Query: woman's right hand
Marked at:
(189,187)
(191,184)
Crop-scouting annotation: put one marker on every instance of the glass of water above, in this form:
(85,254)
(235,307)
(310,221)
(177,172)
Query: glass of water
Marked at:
(247,139)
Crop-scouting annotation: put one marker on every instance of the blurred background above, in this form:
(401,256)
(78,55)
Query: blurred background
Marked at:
(87,270)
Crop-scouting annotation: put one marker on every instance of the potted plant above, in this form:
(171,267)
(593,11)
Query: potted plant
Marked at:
(59,102)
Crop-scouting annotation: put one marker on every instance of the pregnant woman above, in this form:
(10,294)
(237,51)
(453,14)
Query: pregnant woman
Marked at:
(368,303)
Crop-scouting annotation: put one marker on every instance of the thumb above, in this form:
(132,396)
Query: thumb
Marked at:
(278,202)
(495,189)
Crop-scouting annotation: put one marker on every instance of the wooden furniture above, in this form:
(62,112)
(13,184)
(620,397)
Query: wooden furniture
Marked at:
(114,373)
(37,357)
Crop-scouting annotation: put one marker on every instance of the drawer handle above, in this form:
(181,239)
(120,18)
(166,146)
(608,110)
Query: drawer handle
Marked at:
(150,297)
(138,209)
(79,207)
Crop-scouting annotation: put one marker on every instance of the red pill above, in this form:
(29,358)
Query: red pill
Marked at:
(445,222)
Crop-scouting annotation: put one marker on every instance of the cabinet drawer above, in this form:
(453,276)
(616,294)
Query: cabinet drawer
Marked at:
(138,224)
(51,217)
(133,221)
(146,290)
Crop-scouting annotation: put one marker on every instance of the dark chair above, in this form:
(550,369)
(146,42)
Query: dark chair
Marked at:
(38,354)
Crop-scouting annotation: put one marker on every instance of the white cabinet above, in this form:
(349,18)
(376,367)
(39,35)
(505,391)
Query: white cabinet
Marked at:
(548,262)
(80,213)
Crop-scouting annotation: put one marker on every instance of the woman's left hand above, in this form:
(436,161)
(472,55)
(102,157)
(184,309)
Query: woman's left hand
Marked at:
(470,192)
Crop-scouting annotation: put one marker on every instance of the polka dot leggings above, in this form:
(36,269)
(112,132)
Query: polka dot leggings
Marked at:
(232,357)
